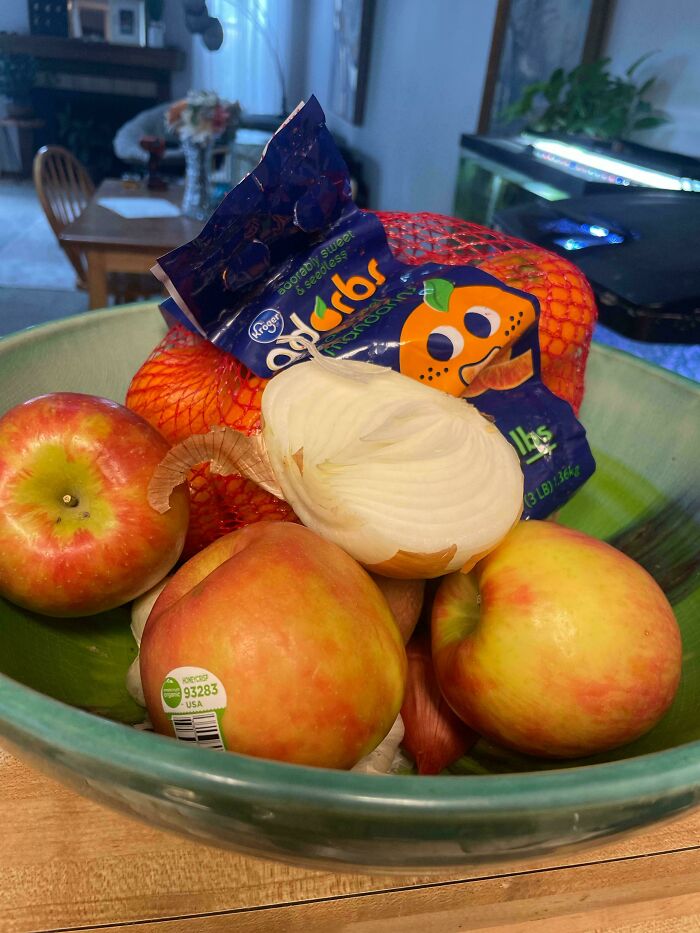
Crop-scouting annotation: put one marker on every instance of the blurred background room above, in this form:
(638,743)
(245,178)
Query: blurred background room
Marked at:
(572,124)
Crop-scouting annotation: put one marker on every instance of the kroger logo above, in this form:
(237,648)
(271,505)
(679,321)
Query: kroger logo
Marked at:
(267,326)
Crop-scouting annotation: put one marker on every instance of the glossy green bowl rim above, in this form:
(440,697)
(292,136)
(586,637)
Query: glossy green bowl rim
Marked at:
(143,757)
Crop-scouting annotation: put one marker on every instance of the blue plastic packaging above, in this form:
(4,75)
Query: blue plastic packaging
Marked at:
(288,258)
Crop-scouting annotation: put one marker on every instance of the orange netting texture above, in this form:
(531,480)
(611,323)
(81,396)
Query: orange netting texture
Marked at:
(187,385)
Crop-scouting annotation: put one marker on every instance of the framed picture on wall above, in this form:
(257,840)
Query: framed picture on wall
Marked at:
(532,38)
(90,19)
(352,28)
(128,22)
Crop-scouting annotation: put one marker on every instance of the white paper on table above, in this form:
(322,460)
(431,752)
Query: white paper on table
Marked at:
(140,207)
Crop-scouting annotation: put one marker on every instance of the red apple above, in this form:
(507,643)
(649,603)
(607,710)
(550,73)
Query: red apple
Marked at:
(556,644)
(282,636)
(78,535)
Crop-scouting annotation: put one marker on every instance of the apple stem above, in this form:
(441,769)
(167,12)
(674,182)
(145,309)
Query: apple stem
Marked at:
(70,501)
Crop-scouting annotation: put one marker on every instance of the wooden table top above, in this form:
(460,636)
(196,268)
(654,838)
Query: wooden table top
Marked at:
(67,863)
(98,226)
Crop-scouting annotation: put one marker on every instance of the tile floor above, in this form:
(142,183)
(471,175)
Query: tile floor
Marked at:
(37,283)
(26,307)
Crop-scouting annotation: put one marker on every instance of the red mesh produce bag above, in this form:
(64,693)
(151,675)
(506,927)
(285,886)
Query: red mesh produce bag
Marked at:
(187,385)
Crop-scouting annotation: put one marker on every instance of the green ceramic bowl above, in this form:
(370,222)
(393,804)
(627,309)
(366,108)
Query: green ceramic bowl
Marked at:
(644,426)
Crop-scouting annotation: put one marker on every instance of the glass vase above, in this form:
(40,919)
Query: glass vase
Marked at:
(196,202)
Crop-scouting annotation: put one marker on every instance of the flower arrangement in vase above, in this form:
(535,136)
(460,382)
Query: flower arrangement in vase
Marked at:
(198,120)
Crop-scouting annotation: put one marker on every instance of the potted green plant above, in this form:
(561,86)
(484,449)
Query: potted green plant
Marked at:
(588,101)
(156,26)
(17,77)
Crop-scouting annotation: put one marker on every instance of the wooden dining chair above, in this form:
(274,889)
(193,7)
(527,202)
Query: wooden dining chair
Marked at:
(64,187)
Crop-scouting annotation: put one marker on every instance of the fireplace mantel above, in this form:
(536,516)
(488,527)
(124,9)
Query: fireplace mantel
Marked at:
(98,67)
(84,91)
(57,47)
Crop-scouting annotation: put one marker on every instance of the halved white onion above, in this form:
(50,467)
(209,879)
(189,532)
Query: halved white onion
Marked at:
(410,481)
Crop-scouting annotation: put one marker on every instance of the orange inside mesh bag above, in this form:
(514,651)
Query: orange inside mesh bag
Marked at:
(187,385)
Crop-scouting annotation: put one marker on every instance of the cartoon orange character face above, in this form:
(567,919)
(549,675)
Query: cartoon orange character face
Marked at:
(449,338)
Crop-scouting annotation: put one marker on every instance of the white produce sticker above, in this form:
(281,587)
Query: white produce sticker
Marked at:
(194,700)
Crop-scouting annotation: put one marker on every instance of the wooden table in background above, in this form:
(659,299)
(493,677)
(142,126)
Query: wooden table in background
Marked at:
(113,243)
(67,863)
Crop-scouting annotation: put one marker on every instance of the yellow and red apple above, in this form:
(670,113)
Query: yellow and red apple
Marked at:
(292,632)
(78,535)
(557,644)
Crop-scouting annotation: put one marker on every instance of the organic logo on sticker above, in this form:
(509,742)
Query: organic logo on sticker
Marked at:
(172,692)
(267,326)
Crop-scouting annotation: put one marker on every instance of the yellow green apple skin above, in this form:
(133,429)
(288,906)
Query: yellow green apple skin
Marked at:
(77,534)
(556,645)
(304,643)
